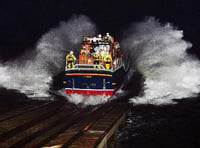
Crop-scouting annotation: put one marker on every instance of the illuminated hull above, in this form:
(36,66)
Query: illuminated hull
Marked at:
(93,81)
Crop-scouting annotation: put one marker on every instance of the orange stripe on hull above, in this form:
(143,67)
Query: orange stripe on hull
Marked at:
(88,74)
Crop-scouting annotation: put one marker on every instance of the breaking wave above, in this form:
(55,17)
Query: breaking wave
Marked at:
(159,53)
(33,76)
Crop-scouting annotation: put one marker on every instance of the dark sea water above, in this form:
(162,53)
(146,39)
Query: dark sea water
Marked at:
(164,126)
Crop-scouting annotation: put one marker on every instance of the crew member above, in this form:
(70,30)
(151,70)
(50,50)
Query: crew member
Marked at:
(107,60)
(70,58)
(96,58)
(83,57)
(108,38)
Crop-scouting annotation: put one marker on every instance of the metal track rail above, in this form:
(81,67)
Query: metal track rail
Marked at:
(58,124)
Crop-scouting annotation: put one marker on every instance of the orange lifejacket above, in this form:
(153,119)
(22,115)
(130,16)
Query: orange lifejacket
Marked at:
(82,59)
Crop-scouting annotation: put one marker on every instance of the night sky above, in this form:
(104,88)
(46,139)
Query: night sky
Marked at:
(23,22)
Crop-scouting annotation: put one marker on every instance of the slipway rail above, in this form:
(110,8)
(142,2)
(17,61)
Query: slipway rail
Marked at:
(60,124)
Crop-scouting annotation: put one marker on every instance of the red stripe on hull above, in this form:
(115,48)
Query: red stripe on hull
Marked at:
(90,92)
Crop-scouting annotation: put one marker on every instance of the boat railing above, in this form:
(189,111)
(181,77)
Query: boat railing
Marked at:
(98,67)
(87,67)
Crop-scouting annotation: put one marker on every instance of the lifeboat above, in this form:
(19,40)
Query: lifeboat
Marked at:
(99,68)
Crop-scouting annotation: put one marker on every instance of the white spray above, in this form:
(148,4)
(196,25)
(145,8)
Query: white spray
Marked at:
(82,100)
(33,76)
(159,52)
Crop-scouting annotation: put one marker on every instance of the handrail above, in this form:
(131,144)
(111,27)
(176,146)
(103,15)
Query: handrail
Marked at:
(87,67)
